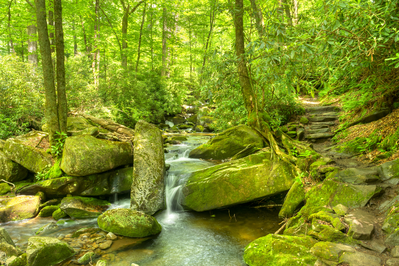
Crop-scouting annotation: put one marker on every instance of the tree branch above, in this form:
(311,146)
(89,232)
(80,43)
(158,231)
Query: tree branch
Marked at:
(110,24)
(134,8)
(29,3)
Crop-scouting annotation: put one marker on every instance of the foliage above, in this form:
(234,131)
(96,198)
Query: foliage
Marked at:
(20,94)
(56,150)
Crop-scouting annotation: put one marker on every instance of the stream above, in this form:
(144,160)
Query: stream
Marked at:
(211,238)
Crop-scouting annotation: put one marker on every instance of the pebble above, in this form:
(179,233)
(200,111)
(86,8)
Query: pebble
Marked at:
(395,252)
(106,244)
(111,236)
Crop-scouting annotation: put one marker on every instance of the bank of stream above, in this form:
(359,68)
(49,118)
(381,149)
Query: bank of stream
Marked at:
(216,237)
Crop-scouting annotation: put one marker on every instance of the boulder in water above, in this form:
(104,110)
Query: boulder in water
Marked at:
(83,207)
(147,194)
(86,155)
(253,177)
(238,139)
(130,223)
(18,208)
(47,251)
(26,150)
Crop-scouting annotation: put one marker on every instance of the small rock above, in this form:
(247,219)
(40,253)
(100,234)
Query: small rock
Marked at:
(101,263)
(374,245)
(395,252)
(86,258)
(392,262)
(111,236)
(134,264)
(360,224)
(340,209)
(360,259)
(106,244)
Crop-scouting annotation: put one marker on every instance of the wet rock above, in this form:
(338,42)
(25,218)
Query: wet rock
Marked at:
(18,208)
(5,237)
(105,245)
(294,198)
(128,222)
(236,182)
(147,191)
(48,211)
(108,183)
(10,170)
(86,258)
(85,155)
(23,150)
(83,207)
(280,250)
(111,236)
(59,214)
(357,175)
(47,251)
(361,224)
(102,263)
(228,143)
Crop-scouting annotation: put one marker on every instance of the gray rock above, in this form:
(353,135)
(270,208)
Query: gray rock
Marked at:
(322,109)
(83,207)
(374,245)
(5,237)
(48,228)
(358,175)
(316,131)
(372,117)
(360,259)
(87,257)
(300,134)
(328,251)
(320,136)
(392,262)
(320,124)
(340,209)
(393,239)
(18,208)
(147,193)
(321,118)
(389,170)
(106,244)
(395,252)
(10,170)
(361,224)
(102,263)
(47,251)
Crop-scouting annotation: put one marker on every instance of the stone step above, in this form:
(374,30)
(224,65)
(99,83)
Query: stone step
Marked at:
(319,130)
(320,136)
(320,118)
(358,175)
(322,109)
(328,114)
(329,123)
(314,127)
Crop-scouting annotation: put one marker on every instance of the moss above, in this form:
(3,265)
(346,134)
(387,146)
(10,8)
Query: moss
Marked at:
(277,250)
(47,251)
(304,120)
(83,207)
(327,233)
(59,214)
(10,170)
(314,168)
(48,211)
(129,223)
(295,196)
(19,261)
(328,217)
(4,188)
(391,223)
(199,128)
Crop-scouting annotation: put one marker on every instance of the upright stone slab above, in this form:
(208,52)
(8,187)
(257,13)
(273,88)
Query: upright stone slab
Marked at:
(147,194)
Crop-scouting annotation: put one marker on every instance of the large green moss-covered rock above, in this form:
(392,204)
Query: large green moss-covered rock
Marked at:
(280,250)
(11,171)
(294,198)
(108,183)
(128,223)
(48,211)
(18,208)
(85,155)
(147,194)
(4,188)
(26,150)
(228,143)
(332,193)
(83,207)
(235,182)
(47,251)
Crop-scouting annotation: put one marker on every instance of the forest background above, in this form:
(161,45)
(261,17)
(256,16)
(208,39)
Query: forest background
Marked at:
(130,60)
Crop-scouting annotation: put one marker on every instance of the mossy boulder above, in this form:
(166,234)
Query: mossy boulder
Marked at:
(59,214)
(5,237)
(280,250)
(10,170)
(389,170)
(86,155)
(304,120)
(48,211)
(26,150)
(239,181)
(48,228)
(294,198)
(9,250)
(18,208)
(47,251)
(330,252)
(17,261)
(228,143)
(332,193)
(148,189)
(130,223)
(4,188)
(108,183)
(83,207)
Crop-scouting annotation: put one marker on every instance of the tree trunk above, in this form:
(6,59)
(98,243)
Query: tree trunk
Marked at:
(51,25)
(141,33)
(124,36)
(257,14)
(96,51)
(88,49)
(152,37)
(10,42)
(48,73)
(212,14)
(295,13)
(59,46)
(32,45)
(165,35)
(75,40)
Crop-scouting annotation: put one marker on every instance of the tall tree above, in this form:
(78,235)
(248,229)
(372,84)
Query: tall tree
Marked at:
(32,36)
(141,33)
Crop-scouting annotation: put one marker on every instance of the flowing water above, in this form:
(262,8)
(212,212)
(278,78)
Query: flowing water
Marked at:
(210,238)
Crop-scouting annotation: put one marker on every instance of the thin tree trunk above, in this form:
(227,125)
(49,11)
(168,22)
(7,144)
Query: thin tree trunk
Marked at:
(257,14)
(164,71)
(212,14)
(10,42)
(32,45)
(51,24)
(141,33)
(59,46)
(88,49)
(295,13)
(48,73)
(287,9)
(75,39)
(191,54)
(152,37)
(96,51)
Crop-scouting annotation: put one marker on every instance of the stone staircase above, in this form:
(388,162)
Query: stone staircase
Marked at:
(321,119)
